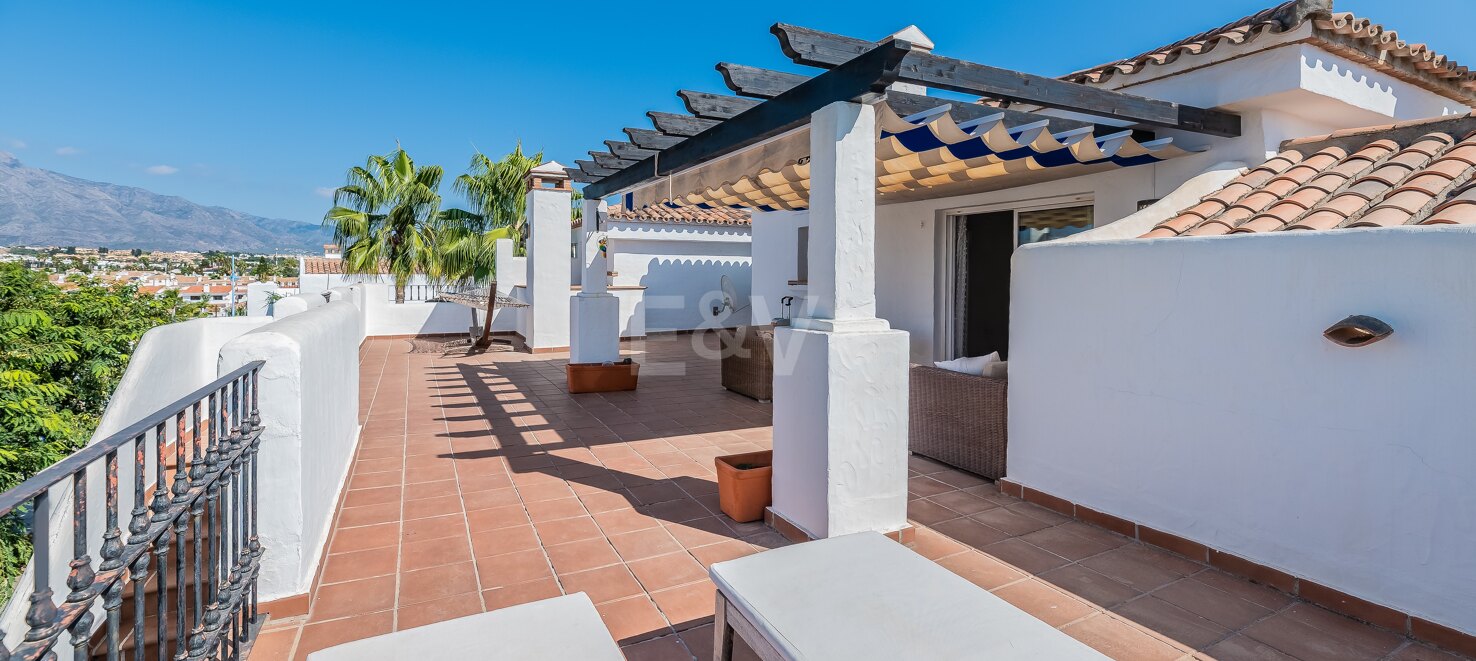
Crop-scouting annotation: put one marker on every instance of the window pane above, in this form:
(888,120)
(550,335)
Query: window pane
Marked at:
(1048,224)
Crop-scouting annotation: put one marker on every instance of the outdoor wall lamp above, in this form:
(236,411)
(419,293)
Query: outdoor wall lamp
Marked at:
(1357,331)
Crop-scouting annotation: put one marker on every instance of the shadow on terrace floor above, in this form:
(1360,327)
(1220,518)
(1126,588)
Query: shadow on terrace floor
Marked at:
(480,483)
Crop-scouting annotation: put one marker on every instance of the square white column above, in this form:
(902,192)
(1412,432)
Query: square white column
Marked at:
(594,315)
(549,212)
(840,373)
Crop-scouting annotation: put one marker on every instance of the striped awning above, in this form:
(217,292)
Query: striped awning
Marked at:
(927,154)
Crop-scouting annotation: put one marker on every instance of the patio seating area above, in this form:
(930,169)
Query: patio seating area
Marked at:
(479,483)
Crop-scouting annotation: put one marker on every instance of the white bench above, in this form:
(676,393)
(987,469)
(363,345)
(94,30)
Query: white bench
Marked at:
(865,596)
(558,629)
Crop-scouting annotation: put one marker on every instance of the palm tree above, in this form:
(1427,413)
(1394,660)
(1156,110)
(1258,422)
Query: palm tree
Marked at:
(495,191)
(386,218)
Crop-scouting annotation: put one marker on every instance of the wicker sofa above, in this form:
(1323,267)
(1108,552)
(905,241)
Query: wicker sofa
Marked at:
(958,419)
(748,361)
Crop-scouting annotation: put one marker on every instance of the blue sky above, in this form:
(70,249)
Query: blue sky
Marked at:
(262,106)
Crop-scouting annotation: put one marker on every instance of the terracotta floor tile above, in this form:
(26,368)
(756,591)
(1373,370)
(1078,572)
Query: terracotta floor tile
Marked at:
(553,510)
(477,500)
(274,645)
(493,518)
(1318,629)
(439,610)
(665,648)
(643,544)
(605,501)
(1120,640)
(1045,602)
(688,605)
(1141,567)
(511,568)
(434,552)
(1089,585)
(437,583)
(541,492)
(933,545)
(664,571)
(929,513)
(1024,555)
(927,486)
(435,527)
(422,490)
(1067,544)
(657,493)
(981,570)
(563,531)
(1241,648)
(368,515)
(1211,604)
(582,555)
(722,552)
(521,593)
(970,532)
(360,564)
(353,598)
(616,522)
(327,634)
(427,507)
(374,496)
(603,584)
(633,620)
(699,532)
(1259,595)
(963,502)
(503,540)
(1009,521)
(1172,622)
(1413,651)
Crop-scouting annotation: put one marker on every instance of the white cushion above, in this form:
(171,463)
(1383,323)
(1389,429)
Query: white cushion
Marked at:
(566,627)
(974,365)
(864,596)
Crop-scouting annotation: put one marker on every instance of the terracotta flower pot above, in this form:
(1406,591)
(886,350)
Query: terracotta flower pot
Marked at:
(745,484)
(598,377)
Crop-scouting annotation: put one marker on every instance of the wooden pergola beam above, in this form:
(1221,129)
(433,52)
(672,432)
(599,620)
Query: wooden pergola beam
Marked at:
(629,151)
(825,50)
(580,176)
(758,83)
(608,160)
(594,169)
(648,139)
(680,125)
(862,78)
(715,106)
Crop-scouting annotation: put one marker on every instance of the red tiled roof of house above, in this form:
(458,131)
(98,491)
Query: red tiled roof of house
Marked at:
(687,214)
(1413,173)
(322,266)
(1340,32)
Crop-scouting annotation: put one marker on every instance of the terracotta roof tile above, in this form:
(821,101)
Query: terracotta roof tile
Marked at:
(1342,33)
(322,266)
(1402,174)
(686,214)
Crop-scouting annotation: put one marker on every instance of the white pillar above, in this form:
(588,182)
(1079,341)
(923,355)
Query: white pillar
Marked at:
(840,374)
(549,213)
(594,315)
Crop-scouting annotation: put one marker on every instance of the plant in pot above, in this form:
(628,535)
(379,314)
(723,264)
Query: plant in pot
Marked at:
(745,484)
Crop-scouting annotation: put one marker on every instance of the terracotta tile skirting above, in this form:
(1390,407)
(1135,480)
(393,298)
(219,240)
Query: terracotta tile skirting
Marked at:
(1329,598)
(286,606)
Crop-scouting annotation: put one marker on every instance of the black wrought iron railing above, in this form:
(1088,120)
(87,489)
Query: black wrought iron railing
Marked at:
(183,583)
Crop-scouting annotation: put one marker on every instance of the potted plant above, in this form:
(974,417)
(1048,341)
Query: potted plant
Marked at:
(603,377)
(745,484)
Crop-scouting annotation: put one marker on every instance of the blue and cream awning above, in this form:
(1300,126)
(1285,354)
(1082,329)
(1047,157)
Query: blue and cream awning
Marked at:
(925,155)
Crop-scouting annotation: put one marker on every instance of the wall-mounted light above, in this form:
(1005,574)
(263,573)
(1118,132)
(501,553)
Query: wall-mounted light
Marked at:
(1357,331)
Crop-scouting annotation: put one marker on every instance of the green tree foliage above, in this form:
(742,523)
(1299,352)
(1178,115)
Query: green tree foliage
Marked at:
(61,355)
(386,217)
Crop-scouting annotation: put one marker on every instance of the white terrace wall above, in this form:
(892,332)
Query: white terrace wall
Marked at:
(309,408)
(1184,384)
(679,265)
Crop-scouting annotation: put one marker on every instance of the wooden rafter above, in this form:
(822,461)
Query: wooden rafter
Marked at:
(648,139)
(680,125)
(715,106)
(629,151)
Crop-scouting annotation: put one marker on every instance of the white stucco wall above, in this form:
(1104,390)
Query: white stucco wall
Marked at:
(309,408)
(680,266)
(1184,384)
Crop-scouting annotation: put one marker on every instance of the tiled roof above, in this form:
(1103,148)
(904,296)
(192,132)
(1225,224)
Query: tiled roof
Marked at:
(1340,32)
(1414,173)
(322,266)
(686,214)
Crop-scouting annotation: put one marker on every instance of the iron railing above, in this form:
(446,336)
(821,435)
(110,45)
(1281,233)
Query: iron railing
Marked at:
(201,502)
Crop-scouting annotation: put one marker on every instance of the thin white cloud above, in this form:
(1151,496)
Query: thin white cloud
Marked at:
(161,169)
(67,151)
(18,144)
(323,191)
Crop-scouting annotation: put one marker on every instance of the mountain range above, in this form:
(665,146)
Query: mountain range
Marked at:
(41,207)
